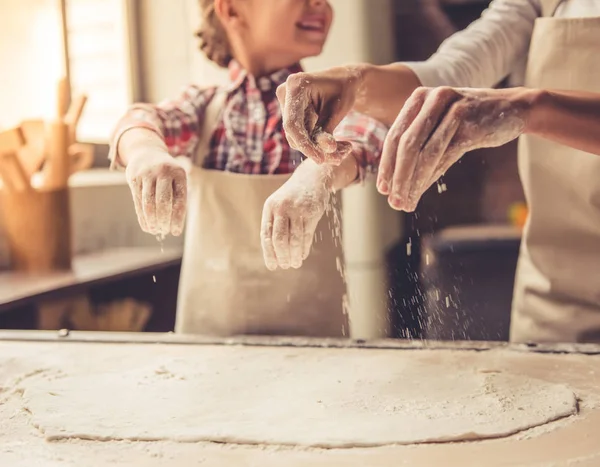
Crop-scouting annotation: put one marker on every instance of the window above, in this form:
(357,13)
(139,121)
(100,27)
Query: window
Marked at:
(100,42)
(89,41)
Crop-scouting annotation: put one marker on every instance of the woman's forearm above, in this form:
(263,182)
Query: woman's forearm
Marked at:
(571,118)
(383,90)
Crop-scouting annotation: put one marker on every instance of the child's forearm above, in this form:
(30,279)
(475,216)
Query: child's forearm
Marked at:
(344,174)
(333,177)
(138,142)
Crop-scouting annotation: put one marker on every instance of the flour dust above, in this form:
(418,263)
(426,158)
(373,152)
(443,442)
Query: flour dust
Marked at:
(334,213)
(160,238)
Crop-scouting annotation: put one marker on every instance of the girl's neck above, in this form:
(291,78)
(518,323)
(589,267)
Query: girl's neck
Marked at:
(260,65)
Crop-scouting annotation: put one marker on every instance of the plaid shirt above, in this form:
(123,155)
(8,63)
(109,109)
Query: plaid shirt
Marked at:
(249,137)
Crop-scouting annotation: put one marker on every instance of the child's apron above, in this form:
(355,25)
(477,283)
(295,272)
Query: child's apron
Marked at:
(225,288)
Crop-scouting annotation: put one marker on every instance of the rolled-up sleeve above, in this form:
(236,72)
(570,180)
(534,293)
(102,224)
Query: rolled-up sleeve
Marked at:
(367,136)
(486,52)
(177,121)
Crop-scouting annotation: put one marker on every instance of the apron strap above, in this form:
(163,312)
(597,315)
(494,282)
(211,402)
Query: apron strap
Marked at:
(212,113)
(549,7)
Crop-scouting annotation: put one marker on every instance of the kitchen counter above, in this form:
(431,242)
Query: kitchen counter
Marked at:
(34,359)
(92,269)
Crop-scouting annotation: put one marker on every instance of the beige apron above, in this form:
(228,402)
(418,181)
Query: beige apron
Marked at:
(225,288)
(557,291)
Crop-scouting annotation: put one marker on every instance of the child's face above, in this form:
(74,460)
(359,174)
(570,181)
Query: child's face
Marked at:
(284,31)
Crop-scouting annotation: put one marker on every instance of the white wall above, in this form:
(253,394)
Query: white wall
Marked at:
(362,31)
(169,53)
(30,69)
(170,57)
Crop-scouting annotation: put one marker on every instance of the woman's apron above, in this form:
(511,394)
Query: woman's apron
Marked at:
(225,288)
(557,290)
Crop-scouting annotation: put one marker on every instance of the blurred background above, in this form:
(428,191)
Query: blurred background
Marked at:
(443,272)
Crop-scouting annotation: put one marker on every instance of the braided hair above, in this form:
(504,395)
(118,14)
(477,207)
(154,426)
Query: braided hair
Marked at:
(213,38)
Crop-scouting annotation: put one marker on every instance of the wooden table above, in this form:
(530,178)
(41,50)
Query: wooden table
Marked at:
(574,443)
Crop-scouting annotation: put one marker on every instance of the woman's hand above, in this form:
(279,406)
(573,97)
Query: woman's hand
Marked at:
(291,215)
(313,104)
(436,127)
(159,187)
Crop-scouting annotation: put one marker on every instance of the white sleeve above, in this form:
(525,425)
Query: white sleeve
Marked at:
(487,51)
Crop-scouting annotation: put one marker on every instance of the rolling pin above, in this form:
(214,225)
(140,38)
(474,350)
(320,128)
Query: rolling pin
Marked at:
(57,167)
(74,115)
(58,164)
(62,98)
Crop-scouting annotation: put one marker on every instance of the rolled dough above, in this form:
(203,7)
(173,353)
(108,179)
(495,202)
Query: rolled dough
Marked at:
(284,400)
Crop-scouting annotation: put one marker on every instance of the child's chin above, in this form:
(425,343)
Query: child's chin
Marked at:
(313,50)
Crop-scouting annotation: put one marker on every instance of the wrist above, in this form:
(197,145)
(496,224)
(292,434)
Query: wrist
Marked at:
(145,155)
(313,175)
(363,77)
(138,143)
(360,74)
(535,101)
(345,174)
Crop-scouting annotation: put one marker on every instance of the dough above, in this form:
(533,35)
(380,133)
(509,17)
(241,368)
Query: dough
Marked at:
(328,399)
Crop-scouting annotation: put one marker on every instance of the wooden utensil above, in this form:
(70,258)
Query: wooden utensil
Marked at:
(57,167)
(34,132)
(7,182)
(74,115)
(11,140)
(62,98)
(56,170)
(37,229)
(33,154)
(13,175)
(13,171)
(81,157)
(31,159)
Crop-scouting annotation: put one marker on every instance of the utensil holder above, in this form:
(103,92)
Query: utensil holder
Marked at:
(37,225)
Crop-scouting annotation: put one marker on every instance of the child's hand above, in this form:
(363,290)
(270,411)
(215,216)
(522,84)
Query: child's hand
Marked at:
(290,218)
(159,187)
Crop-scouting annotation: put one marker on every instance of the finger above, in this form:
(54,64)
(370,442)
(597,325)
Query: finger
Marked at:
(438,144)
(281,240)
(308,236)
(329,118)
(324,140)
(281,92)
(344,149)
(452,155)
(298,113)
(164,204)
(329,147)
(416,136)
(149,204)
(136,193)
(179,205)
(296,242)
(266,238)
(387,163)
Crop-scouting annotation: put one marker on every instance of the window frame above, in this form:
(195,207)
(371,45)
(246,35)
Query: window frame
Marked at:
(130,37)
